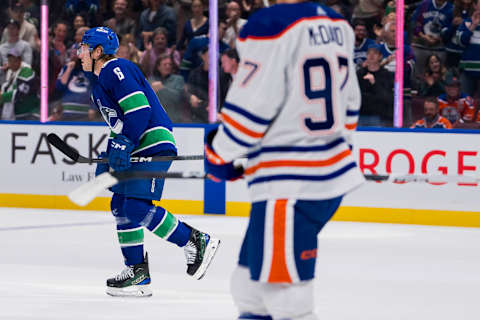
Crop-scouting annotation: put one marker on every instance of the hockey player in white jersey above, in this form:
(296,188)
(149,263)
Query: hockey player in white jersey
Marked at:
(291,110)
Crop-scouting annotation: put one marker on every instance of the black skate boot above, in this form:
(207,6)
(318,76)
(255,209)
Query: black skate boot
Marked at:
(133,281)
(199,252)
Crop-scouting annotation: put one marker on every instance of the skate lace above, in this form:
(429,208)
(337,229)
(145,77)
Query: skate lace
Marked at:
(125,274)
(190,252)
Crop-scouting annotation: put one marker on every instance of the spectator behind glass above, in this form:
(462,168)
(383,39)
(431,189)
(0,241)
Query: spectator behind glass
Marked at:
(234,23)
(32,12)
(19,92)
(87,8)
(433,81)
(27,31)
(158,14)
(361,44)
(429,20)
(468,34)
(59,41)
(170,89)
(79,21)
(230,61)
(369,11)
(74,89)
(376,86)
(197,90)
(388,51)
(191,58)
(121,23)
(133,54)
(455,105)
(195,26)
(462,10)
(431,118)
(14,41)
(156,48)
(251,6)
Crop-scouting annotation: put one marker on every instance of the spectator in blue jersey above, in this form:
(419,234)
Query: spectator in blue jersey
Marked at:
(155,48)
(432,119)
(362,42)
(191,58)
(158,14)
(376,86)
(429,20)
(369,11)
(170,89)
(195,26)
(139,127)
(468,34)
(74,87)
(433,82)
(462,10)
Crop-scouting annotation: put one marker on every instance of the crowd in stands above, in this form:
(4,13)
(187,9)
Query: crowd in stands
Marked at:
(168,40)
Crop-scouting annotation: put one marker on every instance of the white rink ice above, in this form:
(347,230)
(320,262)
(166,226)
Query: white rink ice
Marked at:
(53,265)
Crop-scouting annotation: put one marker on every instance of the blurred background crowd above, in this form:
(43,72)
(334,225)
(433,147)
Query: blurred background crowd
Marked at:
(168,40)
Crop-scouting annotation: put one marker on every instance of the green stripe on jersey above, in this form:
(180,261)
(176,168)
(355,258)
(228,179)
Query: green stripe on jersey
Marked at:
(135,100)
(153,137)
(166,227)
(131,236)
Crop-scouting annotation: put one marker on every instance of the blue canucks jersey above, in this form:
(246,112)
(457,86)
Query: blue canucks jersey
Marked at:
(130,107)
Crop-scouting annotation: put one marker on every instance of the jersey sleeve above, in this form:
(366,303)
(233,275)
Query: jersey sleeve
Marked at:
(125,88)
(351,90)
(255,96)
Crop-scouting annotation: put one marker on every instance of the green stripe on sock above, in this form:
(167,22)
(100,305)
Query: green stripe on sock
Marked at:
(166,225)
(127,237)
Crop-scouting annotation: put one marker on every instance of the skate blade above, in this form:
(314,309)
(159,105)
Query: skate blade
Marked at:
(210,251)
(131,291)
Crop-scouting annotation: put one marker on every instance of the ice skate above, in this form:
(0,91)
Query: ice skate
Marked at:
(199,252)
(133,281)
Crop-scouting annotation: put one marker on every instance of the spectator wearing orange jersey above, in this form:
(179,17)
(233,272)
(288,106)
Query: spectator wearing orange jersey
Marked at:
(431,118)
(455,105)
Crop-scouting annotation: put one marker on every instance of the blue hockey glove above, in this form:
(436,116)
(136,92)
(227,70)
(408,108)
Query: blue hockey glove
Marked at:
(119,153)
(102,167)
(216,168)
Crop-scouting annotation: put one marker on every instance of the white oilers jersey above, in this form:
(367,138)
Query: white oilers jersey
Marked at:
(293,104)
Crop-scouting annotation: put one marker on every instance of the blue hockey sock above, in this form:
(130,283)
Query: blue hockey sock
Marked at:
(167,226)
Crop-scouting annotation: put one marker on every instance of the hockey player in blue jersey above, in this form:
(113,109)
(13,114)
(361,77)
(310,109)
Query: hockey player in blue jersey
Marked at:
(139,126)
(291,110)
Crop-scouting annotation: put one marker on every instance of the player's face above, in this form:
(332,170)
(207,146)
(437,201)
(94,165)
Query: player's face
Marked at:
(84,55)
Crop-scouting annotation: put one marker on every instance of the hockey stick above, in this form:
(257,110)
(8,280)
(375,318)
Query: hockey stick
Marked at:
(73,154)
(88,191)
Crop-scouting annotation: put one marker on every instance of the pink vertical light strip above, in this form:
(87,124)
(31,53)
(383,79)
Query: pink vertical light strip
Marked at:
(213,61)
(44,62)
(398,91)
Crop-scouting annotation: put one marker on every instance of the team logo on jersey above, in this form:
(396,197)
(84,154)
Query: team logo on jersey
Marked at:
(111,117)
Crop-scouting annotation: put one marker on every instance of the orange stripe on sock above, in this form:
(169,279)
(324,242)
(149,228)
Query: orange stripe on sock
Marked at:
(352,126)
(241,128)
(299,163)
(278,269)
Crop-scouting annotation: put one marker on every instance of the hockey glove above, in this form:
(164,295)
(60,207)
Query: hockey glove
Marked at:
(119,153)
(102,167)
(215,167)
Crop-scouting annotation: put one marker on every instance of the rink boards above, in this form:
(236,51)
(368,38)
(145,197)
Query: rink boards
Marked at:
(35,175)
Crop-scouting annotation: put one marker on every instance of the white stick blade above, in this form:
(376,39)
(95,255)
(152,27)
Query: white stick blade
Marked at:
(84,194)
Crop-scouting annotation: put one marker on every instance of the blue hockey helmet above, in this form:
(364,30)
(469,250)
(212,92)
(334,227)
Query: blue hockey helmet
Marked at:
(101,36)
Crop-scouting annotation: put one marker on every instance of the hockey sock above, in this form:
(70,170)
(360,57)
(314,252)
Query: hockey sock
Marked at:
(167,226)
(130,234)
(158,220)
